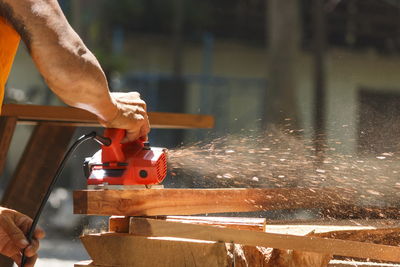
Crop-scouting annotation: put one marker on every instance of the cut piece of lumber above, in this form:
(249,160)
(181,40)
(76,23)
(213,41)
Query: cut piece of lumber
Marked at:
(389,236)
(120,224)
(153,202)
(342,263)
(150,227)
(351,212)
(297,258)
(127,250)
(78,117)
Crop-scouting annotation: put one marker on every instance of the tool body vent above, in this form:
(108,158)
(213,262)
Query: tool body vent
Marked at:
(161,167)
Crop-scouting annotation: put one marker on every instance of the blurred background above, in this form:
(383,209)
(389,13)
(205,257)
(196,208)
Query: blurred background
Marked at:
(329,69)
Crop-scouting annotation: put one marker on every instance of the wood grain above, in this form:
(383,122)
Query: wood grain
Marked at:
(78,117)
(128,250)
(7,127)
(154,228)
(120,224)
(37,167)
(154,202)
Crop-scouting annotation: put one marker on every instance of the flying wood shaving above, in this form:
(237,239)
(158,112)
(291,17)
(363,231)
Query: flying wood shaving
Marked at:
(278,159)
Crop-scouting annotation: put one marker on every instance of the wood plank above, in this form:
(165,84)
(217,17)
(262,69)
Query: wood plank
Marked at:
(352,263)
(390,236)
(352,212)
(7,127)
(37,167)
(120,224)
(73,117)
(158,228)
(128,250)
(154,202)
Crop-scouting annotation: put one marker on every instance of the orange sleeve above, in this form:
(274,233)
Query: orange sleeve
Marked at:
(9,41)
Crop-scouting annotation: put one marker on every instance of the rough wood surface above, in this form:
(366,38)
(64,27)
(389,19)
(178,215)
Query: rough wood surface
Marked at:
(150,227)
(128,250)
(120,224)
(153,202)
(378,236)
(7,127)
(37,167)
(78,117)
(353,212)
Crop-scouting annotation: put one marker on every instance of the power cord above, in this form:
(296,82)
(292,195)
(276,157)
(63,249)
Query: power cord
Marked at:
(93,135)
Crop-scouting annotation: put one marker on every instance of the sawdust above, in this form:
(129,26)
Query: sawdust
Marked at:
(283,158)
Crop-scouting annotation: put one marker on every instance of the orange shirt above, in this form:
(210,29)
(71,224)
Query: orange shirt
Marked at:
(9,40)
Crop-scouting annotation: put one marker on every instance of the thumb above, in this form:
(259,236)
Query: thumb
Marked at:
(14,233)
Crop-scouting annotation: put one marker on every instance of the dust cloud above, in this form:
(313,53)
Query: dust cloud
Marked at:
(284,158)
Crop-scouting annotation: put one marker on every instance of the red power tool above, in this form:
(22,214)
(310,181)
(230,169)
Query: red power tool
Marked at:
(131,164)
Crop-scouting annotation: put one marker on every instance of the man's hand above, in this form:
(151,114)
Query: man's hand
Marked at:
(131,115)
(13,227)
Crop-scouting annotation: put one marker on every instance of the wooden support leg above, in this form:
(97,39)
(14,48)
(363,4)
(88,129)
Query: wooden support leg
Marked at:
(37,167)
(35,170)
(7,127)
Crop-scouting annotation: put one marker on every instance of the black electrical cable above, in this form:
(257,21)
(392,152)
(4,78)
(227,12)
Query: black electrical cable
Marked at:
(93,135)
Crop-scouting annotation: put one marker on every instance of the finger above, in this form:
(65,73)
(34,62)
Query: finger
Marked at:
(132,102)
(131,135)
(10,249)
(14,233)
(23,222)
(39,233)
(31,250)
(125,96)
(144,131)
(30,262)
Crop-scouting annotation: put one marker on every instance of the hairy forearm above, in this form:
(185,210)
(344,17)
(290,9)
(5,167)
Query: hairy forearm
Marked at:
(68,67)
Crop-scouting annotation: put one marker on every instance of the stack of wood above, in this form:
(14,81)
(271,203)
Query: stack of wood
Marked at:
(135,239)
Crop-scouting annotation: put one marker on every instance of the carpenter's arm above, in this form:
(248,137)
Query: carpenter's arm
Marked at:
(69,68)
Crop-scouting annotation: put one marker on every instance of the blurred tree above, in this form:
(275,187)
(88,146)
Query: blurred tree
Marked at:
(283,44)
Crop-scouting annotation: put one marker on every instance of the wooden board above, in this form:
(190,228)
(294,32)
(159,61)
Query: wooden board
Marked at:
(78,117)
(352,212)
(153,202)
(340,263)
(37,167)
(128,250)
(120,224)
(7,127)
(150,227)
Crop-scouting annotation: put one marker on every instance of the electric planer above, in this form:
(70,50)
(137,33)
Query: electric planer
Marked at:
(129,165)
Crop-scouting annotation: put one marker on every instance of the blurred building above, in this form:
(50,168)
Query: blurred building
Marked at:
(214,57)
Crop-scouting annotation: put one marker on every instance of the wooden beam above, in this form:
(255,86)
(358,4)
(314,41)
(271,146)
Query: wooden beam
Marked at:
(78,117)
(7,127)
(158,228)
(37,167)
(352,212)
(154,202)
(120,224)
(128,250)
